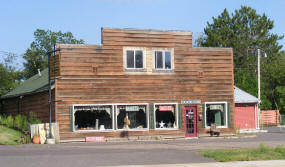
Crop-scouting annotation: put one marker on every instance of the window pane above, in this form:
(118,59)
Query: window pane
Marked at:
(139,59)
(158,60)
(130,59)
(165,116)
(131,117)
(93,117)
(167,60)
(216,113)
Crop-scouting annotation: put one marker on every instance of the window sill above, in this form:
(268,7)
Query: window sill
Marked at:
(166,129)
(138,129)
(220,127)
(135,70)
(83,131)
(162,71)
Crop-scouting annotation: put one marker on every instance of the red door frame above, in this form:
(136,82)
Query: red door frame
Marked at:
(195,133)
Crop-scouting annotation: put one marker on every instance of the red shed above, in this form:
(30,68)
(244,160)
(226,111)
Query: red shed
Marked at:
(246,110)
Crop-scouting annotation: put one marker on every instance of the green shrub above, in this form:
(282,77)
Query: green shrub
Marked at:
(2,119)
(21,122)
(280,149)
(33,118)
(262,148)
(9,121)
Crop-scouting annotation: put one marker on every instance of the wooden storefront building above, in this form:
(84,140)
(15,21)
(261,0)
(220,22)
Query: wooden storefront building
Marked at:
(143,82)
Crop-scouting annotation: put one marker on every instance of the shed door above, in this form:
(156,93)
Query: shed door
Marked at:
(245,116)
(190,121)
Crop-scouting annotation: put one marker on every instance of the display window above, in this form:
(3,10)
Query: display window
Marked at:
(166,116)
(93,117)
(132,116)
(216,113)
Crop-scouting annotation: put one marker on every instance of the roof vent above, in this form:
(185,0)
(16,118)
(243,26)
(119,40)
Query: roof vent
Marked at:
(39,72)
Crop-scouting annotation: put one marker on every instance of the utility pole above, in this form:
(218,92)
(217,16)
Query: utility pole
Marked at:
(258,72)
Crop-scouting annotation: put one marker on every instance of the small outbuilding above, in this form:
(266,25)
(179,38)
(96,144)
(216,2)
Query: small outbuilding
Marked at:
(246,110)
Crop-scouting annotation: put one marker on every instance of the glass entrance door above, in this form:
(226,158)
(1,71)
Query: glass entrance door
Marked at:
(190,121)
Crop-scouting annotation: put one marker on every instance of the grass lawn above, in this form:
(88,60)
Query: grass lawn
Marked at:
(9,136)
(260,153)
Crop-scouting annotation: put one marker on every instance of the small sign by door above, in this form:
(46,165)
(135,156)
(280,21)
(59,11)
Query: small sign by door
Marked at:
(190,101)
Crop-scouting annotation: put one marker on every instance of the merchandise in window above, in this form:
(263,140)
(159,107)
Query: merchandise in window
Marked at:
(162,59)
(216,114)
(165,116)
(93,117)
(131,116)
(134,59)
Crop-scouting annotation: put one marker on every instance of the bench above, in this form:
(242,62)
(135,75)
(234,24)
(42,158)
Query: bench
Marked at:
(214,130)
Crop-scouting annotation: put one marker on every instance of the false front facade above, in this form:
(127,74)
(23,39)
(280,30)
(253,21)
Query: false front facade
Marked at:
(143,82)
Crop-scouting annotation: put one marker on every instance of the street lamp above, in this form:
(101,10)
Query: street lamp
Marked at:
(51,139)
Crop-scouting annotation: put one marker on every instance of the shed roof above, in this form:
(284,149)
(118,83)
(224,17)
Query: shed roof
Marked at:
(32,85)
(242,96)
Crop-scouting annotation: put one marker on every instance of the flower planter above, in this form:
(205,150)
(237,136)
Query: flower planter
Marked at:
(36,139)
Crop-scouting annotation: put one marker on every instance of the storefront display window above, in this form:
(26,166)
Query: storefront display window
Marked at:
(216,113)
(93,117)
(165,116)
(132,117)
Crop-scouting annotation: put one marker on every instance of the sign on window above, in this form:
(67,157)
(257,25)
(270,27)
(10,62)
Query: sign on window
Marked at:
(216,107)
(132,108)
(165,108)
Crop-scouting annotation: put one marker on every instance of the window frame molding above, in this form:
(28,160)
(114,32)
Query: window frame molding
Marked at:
(176,116)
(132,104)
(106,130)
(226,113)
(134,49)
(163,60)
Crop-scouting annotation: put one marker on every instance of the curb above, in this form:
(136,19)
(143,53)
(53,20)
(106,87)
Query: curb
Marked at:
(161,138)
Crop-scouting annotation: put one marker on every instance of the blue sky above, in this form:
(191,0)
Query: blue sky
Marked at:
(84,18)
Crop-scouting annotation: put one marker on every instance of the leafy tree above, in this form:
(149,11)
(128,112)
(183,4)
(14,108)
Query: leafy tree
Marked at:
(274,81)
(10,77)
(36,57)
(246,31)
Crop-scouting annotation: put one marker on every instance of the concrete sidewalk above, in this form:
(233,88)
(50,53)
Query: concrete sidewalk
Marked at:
(268,163)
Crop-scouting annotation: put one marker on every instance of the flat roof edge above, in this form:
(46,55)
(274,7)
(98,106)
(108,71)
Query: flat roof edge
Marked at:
(151,30)
(78,45)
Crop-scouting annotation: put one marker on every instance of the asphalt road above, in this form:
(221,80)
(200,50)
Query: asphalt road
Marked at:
(126,153)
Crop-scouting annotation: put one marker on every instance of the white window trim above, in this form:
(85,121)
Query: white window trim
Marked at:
(106,130)
(226,110)
(133,104)
(176,116)
(163,60)
(143,59)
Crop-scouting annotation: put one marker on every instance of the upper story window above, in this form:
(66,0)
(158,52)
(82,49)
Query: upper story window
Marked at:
(163,60)
(134,59)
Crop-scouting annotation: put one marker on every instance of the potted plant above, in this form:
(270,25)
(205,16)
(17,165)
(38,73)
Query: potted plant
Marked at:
(36,138)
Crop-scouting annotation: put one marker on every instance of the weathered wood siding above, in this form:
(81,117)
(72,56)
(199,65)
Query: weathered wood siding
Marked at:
(94,74)
(36,103)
